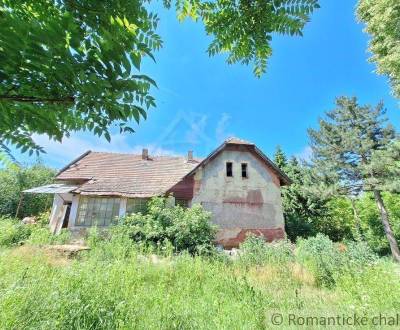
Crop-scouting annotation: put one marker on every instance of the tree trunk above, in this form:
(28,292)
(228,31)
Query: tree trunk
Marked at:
(19,205)
(386,225)
(356,220)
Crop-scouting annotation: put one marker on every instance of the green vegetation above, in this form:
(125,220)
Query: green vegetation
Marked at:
(183,229)
(349,189)
(14,233)
(118,286)
(79,62)
(382,18)
(350,156)
(15,179)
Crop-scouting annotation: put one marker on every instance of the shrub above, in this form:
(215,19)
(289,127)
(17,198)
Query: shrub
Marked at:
(329,261)
(255,251)
(321,256)
(358,255)
(186,229)
(13,232)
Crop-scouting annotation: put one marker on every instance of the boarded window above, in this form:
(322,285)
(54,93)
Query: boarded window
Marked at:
(97,211)
(229,167)
(135,205)
(244,170)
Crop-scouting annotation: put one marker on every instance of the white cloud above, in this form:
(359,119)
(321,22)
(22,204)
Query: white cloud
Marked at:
(197,129)
(305,154)
(77,144)
(220,130)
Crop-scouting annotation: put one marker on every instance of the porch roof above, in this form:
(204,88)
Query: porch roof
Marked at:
(55,188)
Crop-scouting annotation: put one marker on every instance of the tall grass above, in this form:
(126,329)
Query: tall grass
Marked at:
(122,285)
(115,287)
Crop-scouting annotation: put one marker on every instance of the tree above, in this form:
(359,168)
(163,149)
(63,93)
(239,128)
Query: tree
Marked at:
(280,158)
(382,20)
(16,179)
(74,65)
(343,149)
(302,210)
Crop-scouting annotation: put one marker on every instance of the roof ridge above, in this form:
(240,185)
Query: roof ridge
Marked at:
(134,154)
(234,139)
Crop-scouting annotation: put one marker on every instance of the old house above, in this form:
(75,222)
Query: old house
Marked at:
(236,182)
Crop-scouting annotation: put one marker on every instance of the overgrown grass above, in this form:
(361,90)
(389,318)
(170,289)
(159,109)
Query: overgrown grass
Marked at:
(119,285)
(14,233)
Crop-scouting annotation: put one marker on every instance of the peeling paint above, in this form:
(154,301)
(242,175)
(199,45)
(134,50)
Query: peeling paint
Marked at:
(239,205)
(231,238)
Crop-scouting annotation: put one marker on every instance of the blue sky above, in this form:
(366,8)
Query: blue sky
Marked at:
(201,100)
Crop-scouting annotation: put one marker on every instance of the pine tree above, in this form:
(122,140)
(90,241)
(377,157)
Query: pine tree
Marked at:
(280,158)
(343,154)
(302,210)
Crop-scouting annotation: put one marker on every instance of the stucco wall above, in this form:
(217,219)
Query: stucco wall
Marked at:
(240,205)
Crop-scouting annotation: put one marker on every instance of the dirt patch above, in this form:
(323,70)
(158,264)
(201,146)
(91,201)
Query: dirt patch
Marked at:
(30,253)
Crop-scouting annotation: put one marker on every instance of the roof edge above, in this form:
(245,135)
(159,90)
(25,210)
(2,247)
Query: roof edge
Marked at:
(73,162)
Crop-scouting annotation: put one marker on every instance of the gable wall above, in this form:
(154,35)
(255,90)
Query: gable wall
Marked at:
(239,205)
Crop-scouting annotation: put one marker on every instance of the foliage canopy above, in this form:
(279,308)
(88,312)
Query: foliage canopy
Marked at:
(16,179)
(76,65)
(347,155)
(382,23)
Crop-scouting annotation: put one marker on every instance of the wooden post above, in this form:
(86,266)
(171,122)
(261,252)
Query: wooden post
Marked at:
(19,205)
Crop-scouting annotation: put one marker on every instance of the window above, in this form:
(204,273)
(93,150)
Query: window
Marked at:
(244,170)
(182,202)
(135,205)
(229,166)
(97,211)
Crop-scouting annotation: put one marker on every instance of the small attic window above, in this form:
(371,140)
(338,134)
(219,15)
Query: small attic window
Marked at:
(229,167)
(244,170)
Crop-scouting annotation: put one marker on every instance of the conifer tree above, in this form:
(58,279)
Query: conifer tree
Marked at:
(302,210)
(345,148)
(280,158)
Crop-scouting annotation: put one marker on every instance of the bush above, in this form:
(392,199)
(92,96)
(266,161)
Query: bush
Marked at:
(321,256)
(185,229)
(13,232)
(255,251)
(358,255)
(329,261)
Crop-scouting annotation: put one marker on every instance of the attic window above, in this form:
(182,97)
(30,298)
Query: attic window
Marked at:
(229,166)
(244,170)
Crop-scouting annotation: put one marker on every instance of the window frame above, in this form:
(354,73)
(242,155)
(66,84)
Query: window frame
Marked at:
(97,211)
(229,169)
(245,170)
(140,205)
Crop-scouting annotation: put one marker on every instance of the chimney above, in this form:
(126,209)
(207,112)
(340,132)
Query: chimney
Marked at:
(145,154)
(190,155)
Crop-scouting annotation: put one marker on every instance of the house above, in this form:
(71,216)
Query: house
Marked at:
(237,183)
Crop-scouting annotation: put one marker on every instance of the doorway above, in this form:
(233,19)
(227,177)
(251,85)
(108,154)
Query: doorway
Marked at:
(66,216)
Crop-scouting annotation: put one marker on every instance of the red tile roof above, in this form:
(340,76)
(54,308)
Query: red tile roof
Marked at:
(126,174)
(129,175)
